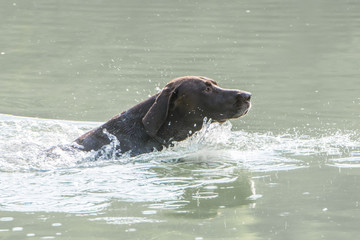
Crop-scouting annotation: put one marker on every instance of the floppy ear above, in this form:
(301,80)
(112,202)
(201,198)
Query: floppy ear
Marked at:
(158,112)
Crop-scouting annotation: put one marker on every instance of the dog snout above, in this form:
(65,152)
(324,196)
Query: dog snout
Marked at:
(246,96)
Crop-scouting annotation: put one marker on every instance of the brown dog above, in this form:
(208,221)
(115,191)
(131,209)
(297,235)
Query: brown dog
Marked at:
(173,114)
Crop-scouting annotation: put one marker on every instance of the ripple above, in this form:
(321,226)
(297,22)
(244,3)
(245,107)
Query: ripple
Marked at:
(6,219)
(213,161)
(349,162)
(126,220)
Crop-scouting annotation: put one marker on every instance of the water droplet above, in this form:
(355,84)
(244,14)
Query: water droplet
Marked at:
(17,229)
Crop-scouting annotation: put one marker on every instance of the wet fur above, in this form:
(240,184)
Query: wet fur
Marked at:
(171,115)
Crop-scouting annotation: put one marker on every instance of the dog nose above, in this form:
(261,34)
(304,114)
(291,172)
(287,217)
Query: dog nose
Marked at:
(246,96)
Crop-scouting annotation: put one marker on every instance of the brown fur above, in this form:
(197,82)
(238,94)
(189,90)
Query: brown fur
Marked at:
(171,115)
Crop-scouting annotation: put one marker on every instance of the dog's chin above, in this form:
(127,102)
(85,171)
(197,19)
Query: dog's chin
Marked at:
(242,109)
(242,112)
(237,115)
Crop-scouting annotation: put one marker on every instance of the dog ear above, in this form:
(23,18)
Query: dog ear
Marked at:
(158,112)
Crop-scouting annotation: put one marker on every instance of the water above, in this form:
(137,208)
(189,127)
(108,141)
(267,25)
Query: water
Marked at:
(287,170)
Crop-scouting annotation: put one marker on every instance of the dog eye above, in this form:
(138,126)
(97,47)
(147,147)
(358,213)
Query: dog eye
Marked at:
(207,89)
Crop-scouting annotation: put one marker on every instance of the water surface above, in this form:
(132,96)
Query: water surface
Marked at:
(287,170)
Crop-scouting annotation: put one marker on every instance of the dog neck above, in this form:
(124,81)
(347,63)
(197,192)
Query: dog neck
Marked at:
(179,127)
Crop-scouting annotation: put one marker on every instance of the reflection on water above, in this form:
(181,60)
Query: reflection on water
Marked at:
(213,174)
(213,167)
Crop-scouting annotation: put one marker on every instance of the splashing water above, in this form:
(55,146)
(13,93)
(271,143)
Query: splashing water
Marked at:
(34,179)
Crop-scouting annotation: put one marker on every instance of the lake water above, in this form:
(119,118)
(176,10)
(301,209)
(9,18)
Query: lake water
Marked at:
(290,169)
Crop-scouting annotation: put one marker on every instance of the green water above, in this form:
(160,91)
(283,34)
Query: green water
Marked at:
(294,175)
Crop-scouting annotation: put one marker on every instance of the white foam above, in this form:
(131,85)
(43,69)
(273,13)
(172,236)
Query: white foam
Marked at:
(73,181)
